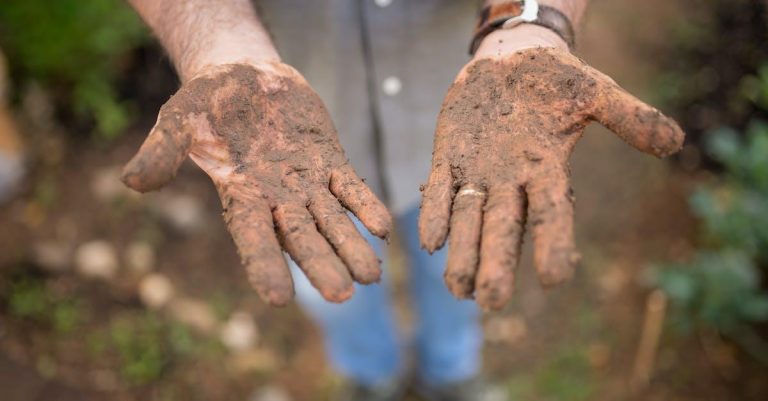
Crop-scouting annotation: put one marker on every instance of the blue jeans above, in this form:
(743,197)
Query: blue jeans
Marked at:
(361,339)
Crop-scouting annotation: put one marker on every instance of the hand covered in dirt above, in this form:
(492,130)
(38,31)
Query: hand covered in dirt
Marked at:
(265,138)
(504,135)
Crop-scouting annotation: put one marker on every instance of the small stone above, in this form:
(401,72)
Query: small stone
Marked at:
(106,185)
(239,333)
(613,281)
(52,255)
(104,380)
(184,212)
(140,257)
(96,259)
(599,355)
(12,168)
(155,290)
(193,313)
(254,360)
(270,393)
(505,329)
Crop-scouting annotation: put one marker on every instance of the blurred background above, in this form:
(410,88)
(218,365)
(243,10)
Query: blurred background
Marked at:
(105,294)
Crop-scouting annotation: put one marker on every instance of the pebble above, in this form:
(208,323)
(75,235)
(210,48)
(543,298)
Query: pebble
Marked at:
(96,259)
(505,329)
(155,290)
(193,313)
(240,332)
(270,393)
(106,185)
(53,256)
(140,257)
(184,212)
(613,281)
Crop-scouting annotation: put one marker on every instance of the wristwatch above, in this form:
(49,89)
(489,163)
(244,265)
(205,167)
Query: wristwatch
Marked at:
(509,14)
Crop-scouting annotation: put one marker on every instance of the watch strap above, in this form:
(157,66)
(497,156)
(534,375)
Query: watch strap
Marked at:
(494,16)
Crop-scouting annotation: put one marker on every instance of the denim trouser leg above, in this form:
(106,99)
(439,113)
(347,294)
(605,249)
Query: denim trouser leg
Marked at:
(448,334)
(360,334)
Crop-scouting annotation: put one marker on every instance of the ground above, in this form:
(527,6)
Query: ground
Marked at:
(576,342)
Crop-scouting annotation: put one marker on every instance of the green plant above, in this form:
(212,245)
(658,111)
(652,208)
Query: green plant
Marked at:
(734,214)
(566,376)
(140,345)
(720,288)
(147,346)
(75,46)
(29,299)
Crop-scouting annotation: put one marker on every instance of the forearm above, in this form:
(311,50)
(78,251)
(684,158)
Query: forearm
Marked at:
(204,33)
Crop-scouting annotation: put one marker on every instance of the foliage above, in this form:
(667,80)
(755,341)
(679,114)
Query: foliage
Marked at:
(567,376)
(76,46)
(720,287)
(717,289)
(703,67)
(735,214)
(146,345)
(29,299)
(139,345)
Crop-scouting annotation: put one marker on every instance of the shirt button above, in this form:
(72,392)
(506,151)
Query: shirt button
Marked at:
(391,86)
(382,3)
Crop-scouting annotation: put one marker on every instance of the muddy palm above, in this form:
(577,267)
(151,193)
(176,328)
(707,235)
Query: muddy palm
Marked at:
(504,135)
(267,142)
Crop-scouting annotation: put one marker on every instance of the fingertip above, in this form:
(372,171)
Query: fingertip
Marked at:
(380,224)
(672,140)
(493,298)
(559,268)
(365,267)
(136,176)
(277,297)
(460,284)
(433,240)
(370,276)
(338,294)
(433,230)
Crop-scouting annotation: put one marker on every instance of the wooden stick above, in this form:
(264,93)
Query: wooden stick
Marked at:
(653,324)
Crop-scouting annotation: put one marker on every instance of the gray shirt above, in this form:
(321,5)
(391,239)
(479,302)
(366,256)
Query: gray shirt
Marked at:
(406,53)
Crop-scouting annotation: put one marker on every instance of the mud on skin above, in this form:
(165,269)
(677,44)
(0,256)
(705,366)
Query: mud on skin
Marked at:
(505,132)
(267,142)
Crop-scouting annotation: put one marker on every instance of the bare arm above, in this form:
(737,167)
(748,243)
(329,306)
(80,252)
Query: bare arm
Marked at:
(204,33)
(267,142)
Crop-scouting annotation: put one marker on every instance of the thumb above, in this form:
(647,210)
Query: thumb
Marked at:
(634,121)
(162,153)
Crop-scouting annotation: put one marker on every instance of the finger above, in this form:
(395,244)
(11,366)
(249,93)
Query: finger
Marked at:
(436,207)
(502,236)
(551,216)
(637,123)
(464,242)
(335,225)
(355,195)
(252,229)
(162,153)
(312,252)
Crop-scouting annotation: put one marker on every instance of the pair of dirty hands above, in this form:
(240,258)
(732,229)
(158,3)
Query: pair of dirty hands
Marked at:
(507,127)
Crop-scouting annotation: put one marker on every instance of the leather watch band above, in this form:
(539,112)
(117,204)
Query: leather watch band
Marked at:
(494,16)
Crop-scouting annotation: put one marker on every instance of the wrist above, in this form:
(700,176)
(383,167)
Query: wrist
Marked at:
(525,36)
(254,48)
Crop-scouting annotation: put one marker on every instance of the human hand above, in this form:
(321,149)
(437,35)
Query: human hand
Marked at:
(504,135)
(267,142)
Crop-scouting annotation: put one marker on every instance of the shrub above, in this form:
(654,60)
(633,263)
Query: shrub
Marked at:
(76,47)
(720,287)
